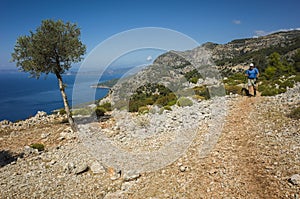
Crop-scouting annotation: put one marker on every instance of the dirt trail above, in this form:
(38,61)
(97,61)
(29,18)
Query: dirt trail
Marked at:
(237,145)
(245,163)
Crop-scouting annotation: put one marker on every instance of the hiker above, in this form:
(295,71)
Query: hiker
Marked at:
(252,74)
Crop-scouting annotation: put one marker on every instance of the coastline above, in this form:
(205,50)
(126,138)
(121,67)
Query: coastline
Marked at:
(22,102)
(99,86)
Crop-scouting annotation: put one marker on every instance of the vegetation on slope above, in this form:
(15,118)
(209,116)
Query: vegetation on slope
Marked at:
(279,74)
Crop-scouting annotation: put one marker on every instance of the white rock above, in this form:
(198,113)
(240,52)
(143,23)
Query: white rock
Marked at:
(81,168)
(131,175)
(182,168)
(295,179)
(96,168)
(44,135)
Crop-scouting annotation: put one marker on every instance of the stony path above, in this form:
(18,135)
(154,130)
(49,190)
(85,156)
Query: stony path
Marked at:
(245,163)
(237,153)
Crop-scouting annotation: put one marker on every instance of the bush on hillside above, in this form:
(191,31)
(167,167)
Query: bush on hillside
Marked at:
(201,91)
(150,94)
(143,110)
(168,108)
(236,78)
(231,89)
(62,111)
(193,76)
(99,111)
(83,111)
(183,101)
(295,113)
(38,146)
(107,106)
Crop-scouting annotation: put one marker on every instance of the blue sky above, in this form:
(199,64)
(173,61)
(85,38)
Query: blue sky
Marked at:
(213,20)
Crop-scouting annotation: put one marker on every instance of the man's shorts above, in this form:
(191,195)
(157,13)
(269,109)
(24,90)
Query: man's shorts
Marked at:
(252,82)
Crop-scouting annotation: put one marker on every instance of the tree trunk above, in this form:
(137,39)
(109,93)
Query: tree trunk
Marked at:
(66,104)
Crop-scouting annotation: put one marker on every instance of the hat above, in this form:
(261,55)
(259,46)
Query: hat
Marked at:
(251,64)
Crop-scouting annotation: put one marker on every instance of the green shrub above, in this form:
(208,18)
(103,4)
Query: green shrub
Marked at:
(168,108)
(192,76)
(297,78)
(62,111)
(234,79)
(286,83)
(150,94)
(201,91)
(106,106)
(233,89)
(198,97)
(183,101)
(82,111)
(272,91)
(171,103)
(134,106)
(295,113)
(38,146)
(143,109)
(99,111)
(194,80)
(165,100)
(162,100)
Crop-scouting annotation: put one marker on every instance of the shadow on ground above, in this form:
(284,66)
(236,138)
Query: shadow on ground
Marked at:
(91,119)
(6,157)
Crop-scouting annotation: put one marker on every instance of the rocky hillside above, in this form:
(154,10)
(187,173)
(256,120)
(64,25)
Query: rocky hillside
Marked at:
(252,150)
(242,51)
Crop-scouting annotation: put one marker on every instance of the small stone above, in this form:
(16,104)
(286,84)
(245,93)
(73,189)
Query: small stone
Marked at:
(131,175)
(213,171)
(52,162)
(81,168)
(114,173)
(44,135)
(60,138)
(126,186)
(295,179)
(69,167)
(116,176)
(96,168)
(182,168)
(28,150)
(40,114)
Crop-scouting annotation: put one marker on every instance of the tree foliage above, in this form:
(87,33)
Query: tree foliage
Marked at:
(149,94)
(277,67)
(51,49)
(296,59)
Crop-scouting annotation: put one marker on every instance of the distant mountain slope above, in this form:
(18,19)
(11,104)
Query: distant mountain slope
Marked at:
(250,49)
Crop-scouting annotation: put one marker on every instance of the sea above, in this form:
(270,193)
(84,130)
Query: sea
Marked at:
(22,97)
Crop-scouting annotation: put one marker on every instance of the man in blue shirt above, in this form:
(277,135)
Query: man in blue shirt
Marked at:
(252,74)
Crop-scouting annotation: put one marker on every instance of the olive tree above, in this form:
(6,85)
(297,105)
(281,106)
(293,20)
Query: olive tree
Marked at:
(52,48)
